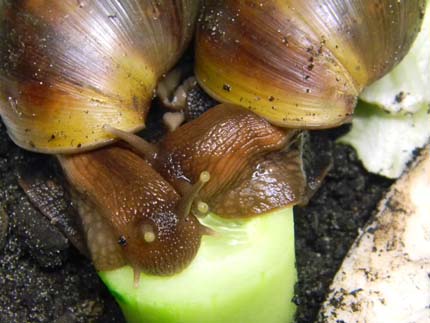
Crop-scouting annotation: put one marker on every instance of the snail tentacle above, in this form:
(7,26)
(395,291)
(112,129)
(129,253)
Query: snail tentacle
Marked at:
(144,147)
(190,196)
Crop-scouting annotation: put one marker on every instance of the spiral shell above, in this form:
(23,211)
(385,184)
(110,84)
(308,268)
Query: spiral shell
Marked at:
(69,67)
(301,63)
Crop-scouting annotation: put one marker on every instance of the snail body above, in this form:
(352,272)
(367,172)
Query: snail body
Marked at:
(140,225)
(69,67)
(297,63)
(229,142)
(229,159)
(253,166)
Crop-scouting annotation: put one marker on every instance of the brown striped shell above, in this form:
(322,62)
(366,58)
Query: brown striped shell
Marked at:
(68,67)
(301,63)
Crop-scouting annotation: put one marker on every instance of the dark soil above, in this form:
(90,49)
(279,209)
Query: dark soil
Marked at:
(44,279)
(328,225)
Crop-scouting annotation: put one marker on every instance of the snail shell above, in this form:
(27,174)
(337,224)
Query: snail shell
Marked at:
(301,63)
(69,67)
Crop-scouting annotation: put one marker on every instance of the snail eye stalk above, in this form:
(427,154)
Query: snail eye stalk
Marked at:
(148,150)
(191,195)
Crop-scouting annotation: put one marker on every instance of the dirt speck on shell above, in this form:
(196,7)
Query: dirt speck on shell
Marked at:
(44,279)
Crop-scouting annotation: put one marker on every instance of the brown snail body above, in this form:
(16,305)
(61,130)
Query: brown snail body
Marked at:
(231,143)
(254,167)
(152,225)
(139,225)
(297,63)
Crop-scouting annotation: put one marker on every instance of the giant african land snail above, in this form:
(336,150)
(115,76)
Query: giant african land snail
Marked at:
(69,68)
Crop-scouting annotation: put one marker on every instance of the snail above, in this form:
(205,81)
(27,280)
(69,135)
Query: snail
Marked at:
(232,144)
(254,167)
(78,75)
(229,160)
(144,211)
(67,68)
(130,211)
(301,64)
(69,72)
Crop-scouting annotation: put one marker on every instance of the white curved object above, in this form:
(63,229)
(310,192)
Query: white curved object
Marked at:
(386,274)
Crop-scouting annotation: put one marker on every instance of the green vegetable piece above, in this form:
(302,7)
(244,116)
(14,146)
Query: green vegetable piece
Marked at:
(245,273)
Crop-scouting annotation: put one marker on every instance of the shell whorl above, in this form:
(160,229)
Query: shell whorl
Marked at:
(67,67)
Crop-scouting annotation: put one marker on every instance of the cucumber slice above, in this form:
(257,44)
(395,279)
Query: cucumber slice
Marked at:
(244,274)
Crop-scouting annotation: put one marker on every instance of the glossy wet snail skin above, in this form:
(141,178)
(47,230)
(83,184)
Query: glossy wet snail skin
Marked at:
(298,63)
(238,149)
(69,67)
(218,160)
(253,166)
(130,213)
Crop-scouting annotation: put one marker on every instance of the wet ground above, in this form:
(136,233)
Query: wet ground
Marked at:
(44,279)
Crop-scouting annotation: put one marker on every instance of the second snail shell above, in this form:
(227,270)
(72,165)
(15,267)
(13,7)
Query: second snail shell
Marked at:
(301,63)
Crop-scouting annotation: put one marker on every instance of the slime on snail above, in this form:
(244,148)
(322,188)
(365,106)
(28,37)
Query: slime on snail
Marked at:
(153,208)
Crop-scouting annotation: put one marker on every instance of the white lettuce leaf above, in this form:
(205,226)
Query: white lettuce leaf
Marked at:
(386,138)
(385,142)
